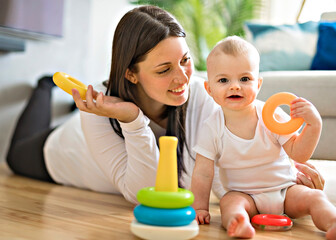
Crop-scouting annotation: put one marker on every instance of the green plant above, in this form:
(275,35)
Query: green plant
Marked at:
(208,21)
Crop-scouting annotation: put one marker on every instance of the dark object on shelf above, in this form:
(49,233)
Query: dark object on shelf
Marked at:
(11,44)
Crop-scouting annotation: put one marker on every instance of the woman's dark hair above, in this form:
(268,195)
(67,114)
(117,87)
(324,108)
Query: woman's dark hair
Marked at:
(139,31)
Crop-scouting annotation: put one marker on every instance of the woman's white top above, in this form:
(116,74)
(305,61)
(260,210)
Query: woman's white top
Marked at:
(252,165)
(85,152)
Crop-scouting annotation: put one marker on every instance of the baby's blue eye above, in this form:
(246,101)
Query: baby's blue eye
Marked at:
(244,79)
(223,80)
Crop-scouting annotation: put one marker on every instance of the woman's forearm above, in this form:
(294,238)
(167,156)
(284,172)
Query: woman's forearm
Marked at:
(130,164)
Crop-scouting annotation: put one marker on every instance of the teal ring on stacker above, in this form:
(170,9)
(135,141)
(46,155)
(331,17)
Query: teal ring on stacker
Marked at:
(161,199)
(164,217)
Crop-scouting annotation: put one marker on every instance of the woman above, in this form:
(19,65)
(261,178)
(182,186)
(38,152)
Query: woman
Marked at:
(111,146)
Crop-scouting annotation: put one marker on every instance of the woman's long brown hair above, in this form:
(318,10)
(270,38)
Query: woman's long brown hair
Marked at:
(139,31)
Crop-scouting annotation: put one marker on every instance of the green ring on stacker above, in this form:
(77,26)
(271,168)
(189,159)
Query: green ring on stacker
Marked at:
(164,199)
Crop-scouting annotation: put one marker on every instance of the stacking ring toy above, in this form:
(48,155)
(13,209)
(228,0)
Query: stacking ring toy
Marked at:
(268,111)
(164,217)
(271,222)
(164,199)
(67,83)
(149,232)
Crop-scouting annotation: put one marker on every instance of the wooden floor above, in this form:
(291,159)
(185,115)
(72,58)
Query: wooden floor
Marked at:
(36,210)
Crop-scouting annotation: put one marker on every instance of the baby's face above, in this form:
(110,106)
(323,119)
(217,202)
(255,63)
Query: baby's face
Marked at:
(233,81)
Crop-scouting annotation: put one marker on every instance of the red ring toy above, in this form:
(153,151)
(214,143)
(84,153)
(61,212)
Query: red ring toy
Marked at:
(272,222)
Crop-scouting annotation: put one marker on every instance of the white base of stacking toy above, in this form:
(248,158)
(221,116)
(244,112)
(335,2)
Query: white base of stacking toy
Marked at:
(150,232)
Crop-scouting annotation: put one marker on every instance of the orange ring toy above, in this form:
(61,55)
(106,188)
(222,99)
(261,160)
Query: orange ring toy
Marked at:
(67,83)
(268,111)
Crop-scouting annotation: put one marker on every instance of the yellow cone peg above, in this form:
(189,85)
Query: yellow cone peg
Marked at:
(166,176)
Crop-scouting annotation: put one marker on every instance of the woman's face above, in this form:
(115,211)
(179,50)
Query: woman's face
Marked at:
(163,77)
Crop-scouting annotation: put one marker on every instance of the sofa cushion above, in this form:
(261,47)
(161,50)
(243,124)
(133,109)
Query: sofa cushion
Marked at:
(316,86)
(326,47)
(284,47)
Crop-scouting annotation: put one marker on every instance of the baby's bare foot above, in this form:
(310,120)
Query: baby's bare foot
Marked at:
(331,233)
(240,227)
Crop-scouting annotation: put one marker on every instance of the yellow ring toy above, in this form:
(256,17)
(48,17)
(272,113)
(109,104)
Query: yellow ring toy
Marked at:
(283,98)
(67,83)
(164,199)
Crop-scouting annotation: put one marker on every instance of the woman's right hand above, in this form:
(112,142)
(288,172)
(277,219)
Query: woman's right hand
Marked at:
(309,176)
(108,106)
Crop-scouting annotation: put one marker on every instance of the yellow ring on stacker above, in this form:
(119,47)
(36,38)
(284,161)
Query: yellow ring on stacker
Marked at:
(283,98)
(164,199)
(67,83)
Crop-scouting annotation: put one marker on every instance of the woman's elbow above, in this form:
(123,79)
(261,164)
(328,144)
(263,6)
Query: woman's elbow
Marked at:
(130,197)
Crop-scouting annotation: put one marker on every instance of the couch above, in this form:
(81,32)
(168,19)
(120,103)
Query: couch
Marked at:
(301,58)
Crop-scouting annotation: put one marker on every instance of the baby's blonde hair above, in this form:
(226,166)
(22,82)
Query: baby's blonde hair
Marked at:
(234,46)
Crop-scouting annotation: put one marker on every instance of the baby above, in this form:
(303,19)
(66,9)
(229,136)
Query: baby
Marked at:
(254,165)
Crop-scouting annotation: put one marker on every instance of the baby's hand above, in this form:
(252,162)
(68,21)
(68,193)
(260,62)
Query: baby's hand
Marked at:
(202,216)
(302,108)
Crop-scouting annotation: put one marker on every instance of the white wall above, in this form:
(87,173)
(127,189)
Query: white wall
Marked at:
(84,52)
(286,11)
(314,8)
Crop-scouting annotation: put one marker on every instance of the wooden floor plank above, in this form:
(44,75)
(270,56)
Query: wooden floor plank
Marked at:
(37,210)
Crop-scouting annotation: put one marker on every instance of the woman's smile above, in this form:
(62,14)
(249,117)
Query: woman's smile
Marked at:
(179,90)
